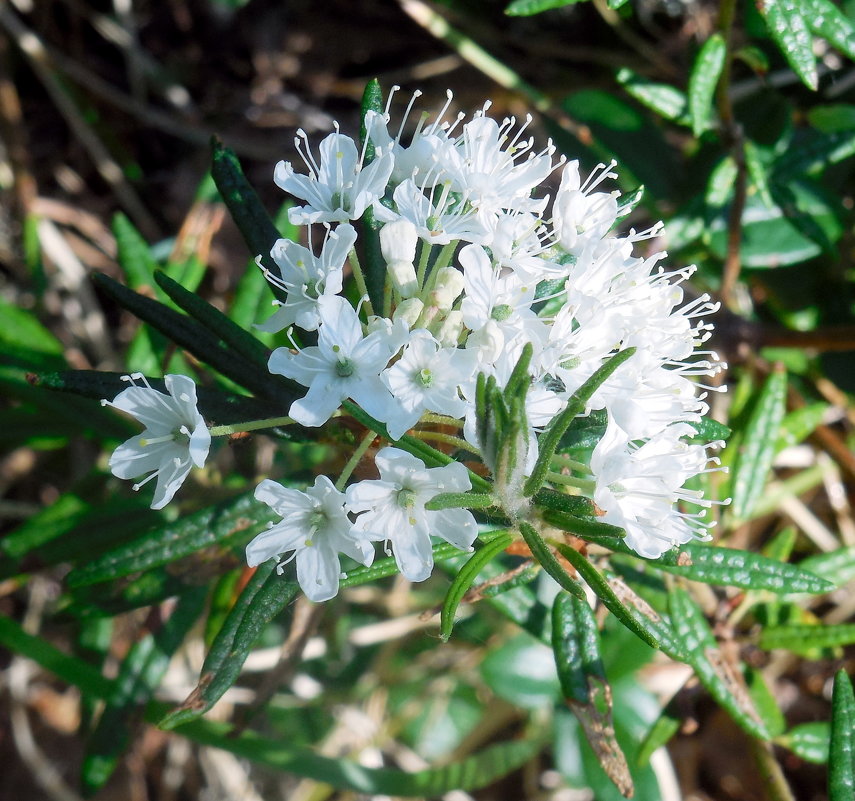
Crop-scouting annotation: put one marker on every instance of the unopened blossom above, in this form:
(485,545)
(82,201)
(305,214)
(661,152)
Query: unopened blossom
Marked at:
(398,242)
(344,364)
(306,278)
(315,528)
(175,436)
(392,509)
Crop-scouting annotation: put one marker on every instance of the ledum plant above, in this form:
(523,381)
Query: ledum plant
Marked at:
(479,378)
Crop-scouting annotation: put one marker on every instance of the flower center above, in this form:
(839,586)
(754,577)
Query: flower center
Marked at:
(424,377)
(501,312)
(406,498)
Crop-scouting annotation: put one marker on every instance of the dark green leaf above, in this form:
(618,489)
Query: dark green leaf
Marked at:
(729,567)
(543,554)
(576,642)
(706,72)
(715,672)
(788,28)
(757,452)
(222,526)
(827,20)
(527,8)
(841,756)
(758,173)
(464,579)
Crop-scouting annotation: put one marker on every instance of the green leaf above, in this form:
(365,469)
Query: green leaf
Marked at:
(236,337)
(464,579)
(628,201)
(576,642)
(799,424)
(808,741)
(662,98)
(729,567)
(713,670)
(838,566)
(841,756)
(711,430)
(133,253)
(527,8)
(704,77)
(264,597)
(801,638)
(789,29)
(813,153)
(140,674)
(757,172)
(826,20)
(606,594)
(764,702)
(222,526)
(833,118)
(661,732)
(554,431)
(246,209)
(198,340)
(543,554)
(755,457)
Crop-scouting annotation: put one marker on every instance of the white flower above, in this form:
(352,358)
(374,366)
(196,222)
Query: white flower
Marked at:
(638,487)
(341,188)
(393,509)
(306,278)
(343,364)
(581,216)
(316,528)
(175,435)
(426,378)
(398,242)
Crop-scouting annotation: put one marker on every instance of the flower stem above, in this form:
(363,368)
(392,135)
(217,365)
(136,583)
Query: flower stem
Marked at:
(355,459)
(571,481)
(447,439)
(424,258)
(359,277)
(252,425)
(562,460)
(442,419)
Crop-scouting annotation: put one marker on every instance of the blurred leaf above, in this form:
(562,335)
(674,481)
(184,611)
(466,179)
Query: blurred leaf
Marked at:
(801,638)
(838,566)
(223,526)
(754,57)
(788,28)
(710,430)
(662,98)
(139,675)
(830,119)
(464,580)
(522,671)
(757,172)
(826,20)
(714,671)
(704,77)
(764,702)
(25,341)
(841,755)
(800,423)
(526,8)
(757,452)
(808,741)
(661,732)
(814,151)
(628,201)
(733,568)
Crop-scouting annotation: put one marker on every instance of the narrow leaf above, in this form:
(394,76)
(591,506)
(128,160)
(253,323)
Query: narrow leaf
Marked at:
(838,566)
(809,741)
(527,8)
(465,578)
(661,732)
(715,672)
(788,28)
(757,452)
(826,20)
(841,756)
(543,554)
(729,567)
(664,99)
(605,593)
(757,172)
(706,72)
(223,525)
(804,637)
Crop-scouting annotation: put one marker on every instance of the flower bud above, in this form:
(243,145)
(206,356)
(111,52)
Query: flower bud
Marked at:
(408,311)
(398,241)
(489,341)
(403,276)
(449,331)
(447,287)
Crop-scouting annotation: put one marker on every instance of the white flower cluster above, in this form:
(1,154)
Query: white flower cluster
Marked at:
(478,265)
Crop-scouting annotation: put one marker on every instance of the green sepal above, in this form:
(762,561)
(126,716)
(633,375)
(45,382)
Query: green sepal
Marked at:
(460,500)
(551,436)
(465,578)
(245,207)
(543,554)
